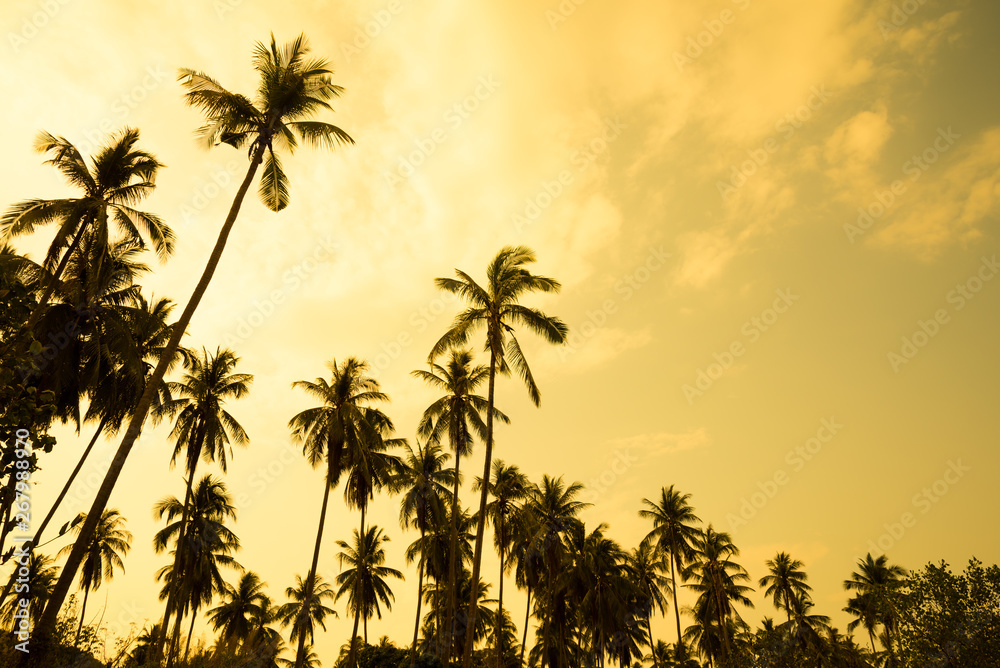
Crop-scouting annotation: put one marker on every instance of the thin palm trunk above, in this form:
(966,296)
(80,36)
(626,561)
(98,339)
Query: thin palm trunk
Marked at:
(55,506)
(353,655)
(673,581)
(36,313)
(445,655)
(420,596)
(527,614)
(176,591)
(300,653)
(649,631)
(477,558)
(46,624)
(500,602)
(83,610)
(187,646)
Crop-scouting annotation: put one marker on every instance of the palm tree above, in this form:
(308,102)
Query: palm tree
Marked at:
(459,415)
(508,487)
(119,177)
(364,579)
(38,584)
(673,519)
(203,429)
(786,584)
(104,554)
(292,87)
(205,543)
(497,309)
(646,567)
(423,476)
(874,581)
(343,423)
(304,618)
(717,580)
(242,605)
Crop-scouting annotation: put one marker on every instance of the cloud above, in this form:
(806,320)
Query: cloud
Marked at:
(664,443)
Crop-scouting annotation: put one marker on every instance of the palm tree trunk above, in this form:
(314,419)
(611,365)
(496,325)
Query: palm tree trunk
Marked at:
(481,525)
(62,494)
(352,657)
(673,581)
(366,629)
(36,313)
(300,653)
(47,621)
(420,596)
(175,639)
(83,609)
(187,646)
(649,631)
(527,614)
(500,603)
(179,552)
(445,655)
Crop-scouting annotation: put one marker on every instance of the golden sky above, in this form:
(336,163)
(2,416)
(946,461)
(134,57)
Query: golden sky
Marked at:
(775,224)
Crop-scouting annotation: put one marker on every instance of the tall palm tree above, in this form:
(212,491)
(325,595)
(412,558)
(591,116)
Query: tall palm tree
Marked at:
(718,581)
(304,618)
(874,581)
(292,87)
(508,487)
(343,423)
(38,583)
(457,414)
(110,544)
(119,177)
(423,477)
(674,533)
(198,531)
(646,567)
(204,429)
(364,579)
(234,618)
(786,584)
(496,308)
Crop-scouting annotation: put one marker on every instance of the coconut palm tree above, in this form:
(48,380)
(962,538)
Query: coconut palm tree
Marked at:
(235,617)
(508,487)
(203,429)
(304,618)
(119,177)
(457,414)
(104,554)
(674,533)
(364,579)
(38,584)
(423,477)
(292,88)
(874,581)
(344,423)
(198,531)
(646,567)
(496,308)
(786,584)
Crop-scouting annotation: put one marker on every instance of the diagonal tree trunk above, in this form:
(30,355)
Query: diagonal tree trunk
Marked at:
(83,610)
(527,615)
(187,646)
(46,624)
(481,525)
(300,653)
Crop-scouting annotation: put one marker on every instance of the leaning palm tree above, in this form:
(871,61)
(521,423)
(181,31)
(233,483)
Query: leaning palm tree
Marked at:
(496,308)
(457,414)
(786,584)
(423,478)
(302,617)
(364,579)
(292,87)
(508,487)
(119,177)
(111,542)
(204,429)
(344,422)
(674,532)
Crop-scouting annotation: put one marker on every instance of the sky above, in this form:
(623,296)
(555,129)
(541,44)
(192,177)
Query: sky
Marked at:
(774,222)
